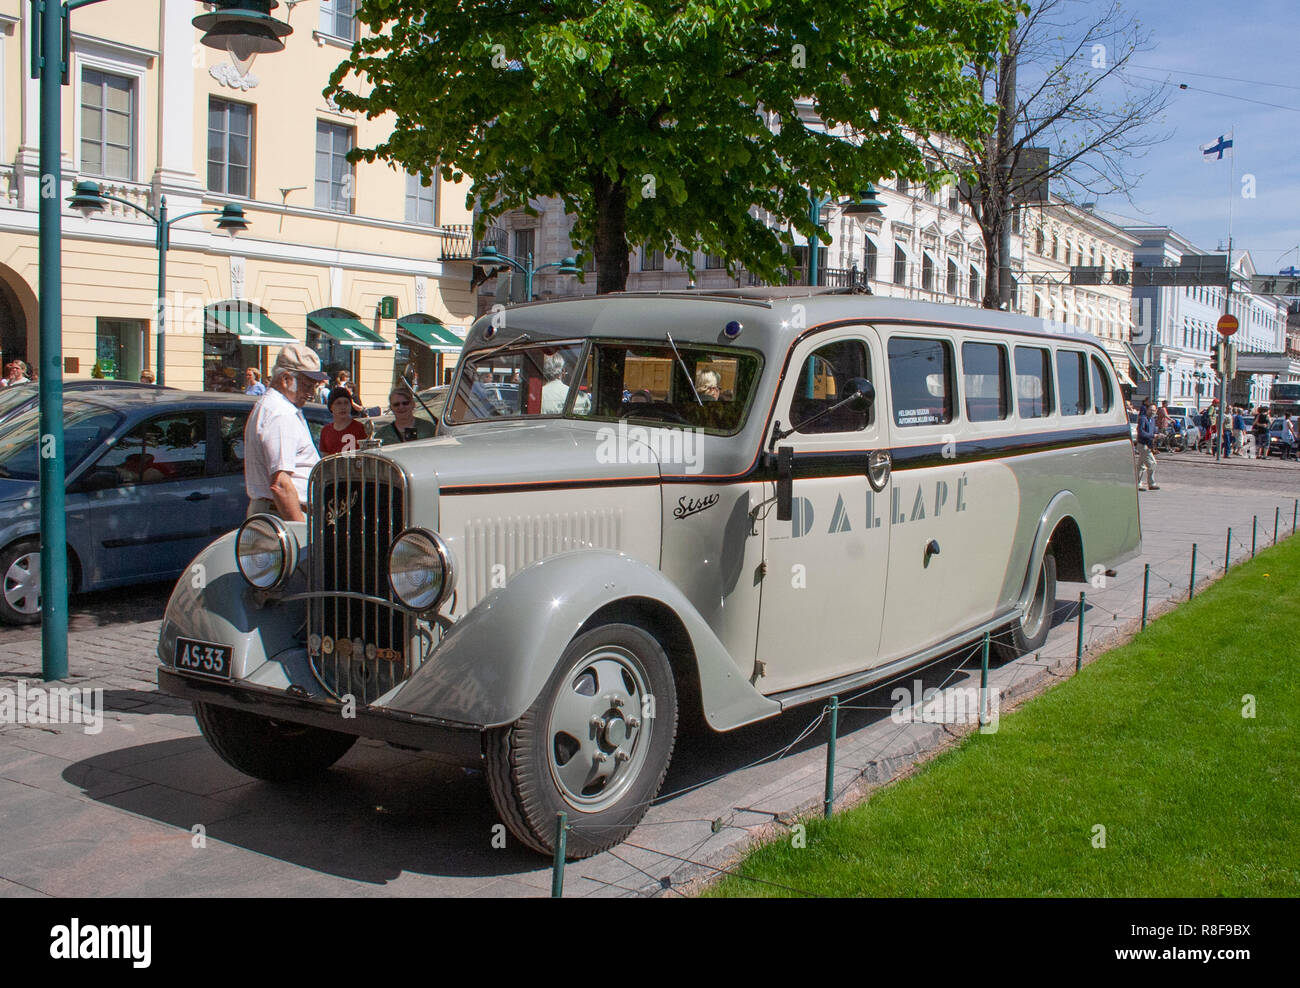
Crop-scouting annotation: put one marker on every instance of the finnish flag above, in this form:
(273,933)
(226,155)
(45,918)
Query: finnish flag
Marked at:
(1217,150)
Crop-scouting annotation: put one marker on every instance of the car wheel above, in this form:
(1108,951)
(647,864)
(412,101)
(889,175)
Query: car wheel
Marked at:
(268,749)
(20,583)
(1030,632)
(595,744)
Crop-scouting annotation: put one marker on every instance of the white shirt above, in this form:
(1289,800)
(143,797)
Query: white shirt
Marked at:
(554,394)
(277,439)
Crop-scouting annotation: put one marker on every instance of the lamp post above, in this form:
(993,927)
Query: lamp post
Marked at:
(491,257)
(241,27)
(866,204)
(87,199)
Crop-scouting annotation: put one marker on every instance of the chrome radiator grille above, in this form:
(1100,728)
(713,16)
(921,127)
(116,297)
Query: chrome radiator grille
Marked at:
(357,639)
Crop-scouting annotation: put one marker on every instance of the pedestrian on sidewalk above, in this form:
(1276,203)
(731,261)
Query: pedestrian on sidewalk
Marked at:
(278,449)
(1260,432)
(1146,440)
(1288,439)
(1238,431)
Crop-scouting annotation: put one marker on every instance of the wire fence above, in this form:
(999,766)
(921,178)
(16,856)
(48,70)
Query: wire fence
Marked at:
(1095,623)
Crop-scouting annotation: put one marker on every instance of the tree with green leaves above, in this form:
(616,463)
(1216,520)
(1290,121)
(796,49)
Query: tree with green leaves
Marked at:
(682,125)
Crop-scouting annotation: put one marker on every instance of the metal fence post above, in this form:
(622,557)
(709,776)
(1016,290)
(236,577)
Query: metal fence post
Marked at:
(1227,551)
(1191,583)
(1146,584)
(984,681)
(1254,524)
(1078,647)
(828,801)
(1295,512)
(1277,511)
(557,864)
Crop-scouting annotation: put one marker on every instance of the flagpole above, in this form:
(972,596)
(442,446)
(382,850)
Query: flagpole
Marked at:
(1227,300)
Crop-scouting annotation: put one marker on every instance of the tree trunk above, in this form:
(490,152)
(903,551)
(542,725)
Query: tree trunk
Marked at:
(611,235)
(991,232)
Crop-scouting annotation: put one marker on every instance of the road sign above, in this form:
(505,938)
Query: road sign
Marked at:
(1227,325)
(1272,284)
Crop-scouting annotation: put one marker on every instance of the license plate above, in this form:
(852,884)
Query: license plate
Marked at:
(203,658)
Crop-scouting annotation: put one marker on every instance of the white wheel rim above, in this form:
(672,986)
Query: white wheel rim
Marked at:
(22,584)
(599,729)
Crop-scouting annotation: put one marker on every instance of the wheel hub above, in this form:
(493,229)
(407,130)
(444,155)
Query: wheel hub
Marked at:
(22,584)
(597,741)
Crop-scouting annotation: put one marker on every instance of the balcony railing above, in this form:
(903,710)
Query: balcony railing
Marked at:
(460,244)
(8,187)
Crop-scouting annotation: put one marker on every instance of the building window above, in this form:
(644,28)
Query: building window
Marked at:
(900,265)
(121,349)
(420,201)
(525,244)
(954,199)
(870,258)
(973,287)
(953,279)
(713,262)
(1056,247)
(335,176)
(927,272)
(652,260)
(338,19)
(107,125)
(230,147)
(903,186)
(1040,241)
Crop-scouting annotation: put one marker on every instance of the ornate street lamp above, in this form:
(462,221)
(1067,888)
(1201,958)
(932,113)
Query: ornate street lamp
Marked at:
(87,199)
(493,258)
(241,27)
(866,204)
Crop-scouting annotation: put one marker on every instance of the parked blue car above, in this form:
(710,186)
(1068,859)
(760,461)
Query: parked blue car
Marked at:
(153,476)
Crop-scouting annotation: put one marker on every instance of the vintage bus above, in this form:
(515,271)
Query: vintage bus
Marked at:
(717,505)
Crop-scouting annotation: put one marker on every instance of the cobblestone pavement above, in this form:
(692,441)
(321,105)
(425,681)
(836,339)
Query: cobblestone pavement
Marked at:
(144,808)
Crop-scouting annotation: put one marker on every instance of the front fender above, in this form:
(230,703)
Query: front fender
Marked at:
(213,602)
(492,664)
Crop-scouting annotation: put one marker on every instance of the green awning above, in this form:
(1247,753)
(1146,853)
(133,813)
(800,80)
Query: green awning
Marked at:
(254,328)
(349,332)
(433,335)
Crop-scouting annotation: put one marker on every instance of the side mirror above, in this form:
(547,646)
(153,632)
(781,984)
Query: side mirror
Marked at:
(785,483)
(865,395)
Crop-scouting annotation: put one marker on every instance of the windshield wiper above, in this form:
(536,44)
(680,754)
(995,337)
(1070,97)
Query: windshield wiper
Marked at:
(521,338)
(698,400)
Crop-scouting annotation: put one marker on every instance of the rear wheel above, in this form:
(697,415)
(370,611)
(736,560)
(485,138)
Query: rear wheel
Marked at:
(274,750)
(1030,632)
(595,744)
(20,583)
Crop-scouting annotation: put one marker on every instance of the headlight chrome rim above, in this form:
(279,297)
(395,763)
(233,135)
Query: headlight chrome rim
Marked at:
(282,544)
(437,550)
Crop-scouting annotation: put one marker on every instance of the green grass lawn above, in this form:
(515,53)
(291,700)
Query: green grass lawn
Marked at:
(1149,741)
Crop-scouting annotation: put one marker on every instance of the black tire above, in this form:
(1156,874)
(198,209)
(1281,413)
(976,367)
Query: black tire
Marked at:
(532,765)
(276,751)
(1031,631)
(20,582)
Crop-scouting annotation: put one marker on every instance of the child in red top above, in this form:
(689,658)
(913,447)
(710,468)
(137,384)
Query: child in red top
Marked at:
(345,431)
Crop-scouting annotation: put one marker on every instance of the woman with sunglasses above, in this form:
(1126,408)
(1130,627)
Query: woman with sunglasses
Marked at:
(405,427)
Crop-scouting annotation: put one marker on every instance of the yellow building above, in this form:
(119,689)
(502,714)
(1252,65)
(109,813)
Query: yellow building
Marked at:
(149,112)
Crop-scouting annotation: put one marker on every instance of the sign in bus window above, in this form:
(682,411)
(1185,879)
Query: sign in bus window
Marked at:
(1033,382)
(921,379)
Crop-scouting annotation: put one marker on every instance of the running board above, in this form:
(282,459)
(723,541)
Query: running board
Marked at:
(807,694)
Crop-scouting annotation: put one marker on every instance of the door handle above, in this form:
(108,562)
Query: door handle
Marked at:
(931,549)
(198,496)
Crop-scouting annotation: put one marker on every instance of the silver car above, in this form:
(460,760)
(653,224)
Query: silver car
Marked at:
(714,507)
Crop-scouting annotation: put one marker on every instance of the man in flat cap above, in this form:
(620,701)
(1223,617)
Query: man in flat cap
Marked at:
(278,450)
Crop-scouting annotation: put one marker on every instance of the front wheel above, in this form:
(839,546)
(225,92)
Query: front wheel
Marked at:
(1030,632)
(277,751)
(595,745)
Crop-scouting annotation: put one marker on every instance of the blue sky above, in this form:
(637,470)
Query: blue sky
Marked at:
(1194,40)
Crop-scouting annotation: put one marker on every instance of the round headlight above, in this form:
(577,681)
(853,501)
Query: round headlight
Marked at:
(419,569)
(265,551)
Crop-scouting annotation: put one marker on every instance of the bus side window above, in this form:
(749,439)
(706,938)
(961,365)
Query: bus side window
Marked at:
(921,381)
(1101,390)
(1072,375)
(1033,382)
(986,384)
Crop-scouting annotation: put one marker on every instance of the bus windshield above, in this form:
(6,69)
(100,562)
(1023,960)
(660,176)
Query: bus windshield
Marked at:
(661,382)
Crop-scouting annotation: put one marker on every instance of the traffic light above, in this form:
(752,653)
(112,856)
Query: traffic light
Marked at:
(1216,357)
